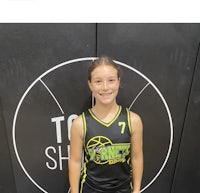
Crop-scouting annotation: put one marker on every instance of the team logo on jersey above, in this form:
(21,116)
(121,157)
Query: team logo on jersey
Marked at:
(102,151)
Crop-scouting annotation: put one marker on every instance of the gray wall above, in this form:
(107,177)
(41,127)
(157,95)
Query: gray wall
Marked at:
(40,93)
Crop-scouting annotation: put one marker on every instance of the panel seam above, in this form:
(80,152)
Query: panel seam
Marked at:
(184,120)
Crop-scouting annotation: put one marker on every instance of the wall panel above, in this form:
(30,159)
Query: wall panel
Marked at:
(187,173)
(27,51)
(7,184)
(166,54)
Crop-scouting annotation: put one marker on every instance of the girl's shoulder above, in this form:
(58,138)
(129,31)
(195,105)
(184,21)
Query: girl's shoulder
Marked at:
(77,123)
(136,121)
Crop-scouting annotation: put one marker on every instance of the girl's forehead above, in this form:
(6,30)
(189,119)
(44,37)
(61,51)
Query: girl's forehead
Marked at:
(104,69)
(104,73)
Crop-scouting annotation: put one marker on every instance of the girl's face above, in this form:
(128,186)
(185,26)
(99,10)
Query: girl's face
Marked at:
(104,84)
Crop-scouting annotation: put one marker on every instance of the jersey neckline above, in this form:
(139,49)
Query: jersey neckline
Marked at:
(102,122)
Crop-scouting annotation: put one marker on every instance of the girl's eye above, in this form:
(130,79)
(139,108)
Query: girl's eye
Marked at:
(97,81)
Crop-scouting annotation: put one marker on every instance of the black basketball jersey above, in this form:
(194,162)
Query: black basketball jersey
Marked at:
(106,151)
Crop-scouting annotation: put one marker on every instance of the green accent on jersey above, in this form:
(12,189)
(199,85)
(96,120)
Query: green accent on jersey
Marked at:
(101,150)
(129,120)
(123,125)
(84,124)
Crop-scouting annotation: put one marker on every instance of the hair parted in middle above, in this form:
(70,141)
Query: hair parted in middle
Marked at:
(103,60)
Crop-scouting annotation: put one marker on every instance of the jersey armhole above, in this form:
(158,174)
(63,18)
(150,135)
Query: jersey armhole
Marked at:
(129,120)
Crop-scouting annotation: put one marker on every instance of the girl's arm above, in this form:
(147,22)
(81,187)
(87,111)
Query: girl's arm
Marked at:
(136,151)
(76,149)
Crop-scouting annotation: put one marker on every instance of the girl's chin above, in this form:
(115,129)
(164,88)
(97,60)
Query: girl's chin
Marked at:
(106,101)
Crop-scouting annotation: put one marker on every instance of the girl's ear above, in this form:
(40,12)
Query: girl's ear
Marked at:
(89,84)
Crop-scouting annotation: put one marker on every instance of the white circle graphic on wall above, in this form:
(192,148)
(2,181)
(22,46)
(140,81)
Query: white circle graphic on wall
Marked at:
(54,157)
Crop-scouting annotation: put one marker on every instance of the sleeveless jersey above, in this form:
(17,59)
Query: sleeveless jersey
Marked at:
(106,151)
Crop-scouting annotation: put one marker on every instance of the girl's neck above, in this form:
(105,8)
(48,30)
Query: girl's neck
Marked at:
(105,111)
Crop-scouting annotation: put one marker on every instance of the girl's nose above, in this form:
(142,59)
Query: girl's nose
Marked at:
(105,85)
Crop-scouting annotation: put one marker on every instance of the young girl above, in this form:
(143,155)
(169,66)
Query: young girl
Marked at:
(108,137)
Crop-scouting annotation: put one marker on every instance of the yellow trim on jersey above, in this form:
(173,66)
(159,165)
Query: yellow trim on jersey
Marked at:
(84,124)
(103,123)
(83,178)
(131,184)
(129,120)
